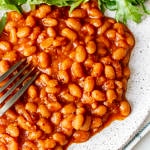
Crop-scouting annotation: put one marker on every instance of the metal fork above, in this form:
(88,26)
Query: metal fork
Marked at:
(7,92)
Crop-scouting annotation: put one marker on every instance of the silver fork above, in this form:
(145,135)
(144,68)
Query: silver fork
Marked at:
(21,91)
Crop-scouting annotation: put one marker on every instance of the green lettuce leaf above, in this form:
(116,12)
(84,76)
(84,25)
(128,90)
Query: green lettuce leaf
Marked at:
(3,22)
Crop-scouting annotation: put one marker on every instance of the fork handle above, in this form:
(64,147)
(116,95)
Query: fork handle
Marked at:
(141,133)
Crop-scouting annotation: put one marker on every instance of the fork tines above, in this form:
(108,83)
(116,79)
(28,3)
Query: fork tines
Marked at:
(22,73)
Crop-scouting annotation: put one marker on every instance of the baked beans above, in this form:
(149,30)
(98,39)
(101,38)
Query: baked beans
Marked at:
(83,60)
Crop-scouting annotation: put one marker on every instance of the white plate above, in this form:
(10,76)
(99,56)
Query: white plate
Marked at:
(115,136)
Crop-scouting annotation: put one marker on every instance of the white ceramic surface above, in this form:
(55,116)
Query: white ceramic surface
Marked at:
(119,133)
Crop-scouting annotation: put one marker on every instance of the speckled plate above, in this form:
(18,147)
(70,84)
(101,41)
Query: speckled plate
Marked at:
(115,136)
(119,133)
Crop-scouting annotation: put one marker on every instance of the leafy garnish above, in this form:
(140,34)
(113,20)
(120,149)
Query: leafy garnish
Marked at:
(8,5)
(3,22)
(125,9)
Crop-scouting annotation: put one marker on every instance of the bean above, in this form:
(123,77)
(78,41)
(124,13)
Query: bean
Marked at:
(46,43)
(78,13)
(60,138)
(49,143)
(101,51)
(111,34)
(104,40)
(102,29)
(46,144)
(12,130)
(11,115)
(49,22)
(119,92)
(125,108)
(23,32)
(76,70)
(119,84)
(29,51)
(86,124)
(30,21)
(109,72)
(73,24)
(63,76)
(80,53)
(58,148)
(5,46)
(66,64)
(130,40)
(28,145)
(88,28)
(10,25)
(31,107)
(44,59)
(89,84)
(100,110)
(67,122)
(121,44)
(13,36)
(15,16)
(100,80)
(52,83)
(95,22)
(34,135)
(119,27)
(97,70)
(10,56)
(87,98)
(68,33)
(35,33)
(43,111)
(78,121)
(91,47)
(126,59)
(98,95)
(4,66)
(119,53)
(56,118)
(109,84)
(81,136)
(96,122)
(43,11)
(80,110)
(67,97)
(126,72)
(95,13)
(54,106)
(52,90)
(8,142)
(51,32)
(44,78)
(111,95)
(75,90)
(32,91)
(85,6)
(94,105)
(89,63)
(45,125)
(68,109)
(24,124)
(59,41)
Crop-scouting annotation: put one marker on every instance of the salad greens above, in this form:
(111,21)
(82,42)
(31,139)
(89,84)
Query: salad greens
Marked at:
(125,9)
(3,22)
